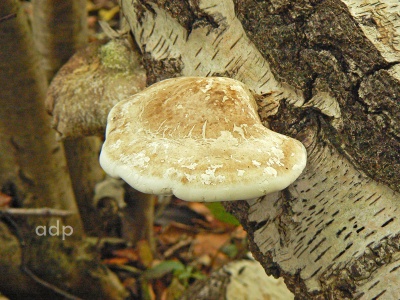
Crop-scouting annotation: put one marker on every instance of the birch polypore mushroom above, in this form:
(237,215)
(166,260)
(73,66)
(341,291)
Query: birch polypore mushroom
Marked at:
(200,139)
(90,84)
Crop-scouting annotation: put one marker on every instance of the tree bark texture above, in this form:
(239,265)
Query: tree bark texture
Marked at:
(32,163)
(59,30)
(326,73)
(33,171)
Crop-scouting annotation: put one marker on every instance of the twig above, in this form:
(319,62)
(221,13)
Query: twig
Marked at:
(55,289)
(7,17)
(183,243)
(36,212)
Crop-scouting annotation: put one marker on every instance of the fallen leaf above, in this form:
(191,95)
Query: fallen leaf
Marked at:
(209,243)
(116,261)
(145,253)
(128,253)
(239,233)
(174,232)
(5,200)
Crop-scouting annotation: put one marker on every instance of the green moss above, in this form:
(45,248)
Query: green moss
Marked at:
(116,55)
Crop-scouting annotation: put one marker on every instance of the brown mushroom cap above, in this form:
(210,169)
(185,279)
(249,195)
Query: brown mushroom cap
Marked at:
(200,139)
(90,84)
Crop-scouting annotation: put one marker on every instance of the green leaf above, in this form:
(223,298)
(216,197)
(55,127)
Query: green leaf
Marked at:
(221,214)
(163,269)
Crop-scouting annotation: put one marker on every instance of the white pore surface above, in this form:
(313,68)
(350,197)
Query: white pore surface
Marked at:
(200,139)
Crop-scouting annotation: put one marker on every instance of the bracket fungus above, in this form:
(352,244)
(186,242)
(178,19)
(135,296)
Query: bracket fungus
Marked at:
(90,84)
(200,139)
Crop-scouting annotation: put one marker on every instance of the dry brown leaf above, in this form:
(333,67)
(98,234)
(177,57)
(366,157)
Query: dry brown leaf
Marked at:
(128,253)
(200,208)
(5,200)
(239,233)
(116,261)
(175,232)
(209,243)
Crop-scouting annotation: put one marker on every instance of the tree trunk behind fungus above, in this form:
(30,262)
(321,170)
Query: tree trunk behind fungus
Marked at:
(59,29)
(33,172)
(326,73)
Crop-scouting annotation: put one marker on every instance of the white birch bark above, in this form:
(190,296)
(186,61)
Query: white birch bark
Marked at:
(326,73)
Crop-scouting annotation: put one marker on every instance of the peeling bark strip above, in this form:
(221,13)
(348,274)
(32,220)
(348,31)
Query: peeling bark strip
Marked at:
(331,72)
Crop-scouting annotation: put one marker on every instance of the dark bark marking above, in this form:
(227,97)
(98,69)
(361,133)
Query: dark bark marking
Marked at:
(378,212)
(158,42)
(218,39)
(301,253)
(215,54)
(174,42)
(373,285)
(329,222)
(358,199)
(318,244)
(360,229)
(260,225)
(387,222)
(370,233)
(235,43)
(394,269)
(339,232)
(359,296)
(226,66)
(152,29)
(322,254)
(347,236)
(198,51)
(208,7)
(372,195)
(162,45)
(316,272)
(265,82)
(319,223)
(379,295)
(141,34)
(373,202)
(165,51)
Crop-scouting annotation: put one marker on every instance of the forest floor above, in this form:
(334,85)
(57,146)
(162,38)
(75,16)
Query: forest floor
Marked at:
(192,239)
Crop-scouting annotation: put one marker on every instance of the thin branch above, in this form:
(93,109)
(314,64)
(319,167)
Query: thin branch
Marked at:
(36,212)
(8,17)
(48,285)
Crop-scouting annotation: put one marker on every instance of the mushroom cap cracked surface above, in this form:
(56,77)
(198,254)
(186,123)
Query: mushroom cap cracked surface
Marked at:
(200,139)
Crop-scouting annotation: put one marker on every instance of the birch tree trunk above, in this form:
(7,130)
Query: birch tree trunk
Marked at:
(34,173)
(60,29)
(32,164)
(326,73)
